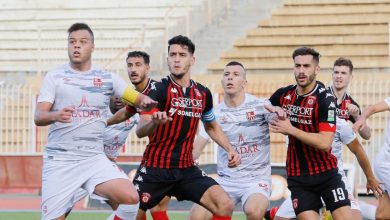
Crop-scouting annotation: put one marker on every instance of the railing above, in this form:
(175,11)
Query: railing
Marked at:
(20,136)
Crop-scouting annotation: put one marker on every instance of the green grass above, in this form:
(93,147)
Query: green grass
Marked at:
(91,216)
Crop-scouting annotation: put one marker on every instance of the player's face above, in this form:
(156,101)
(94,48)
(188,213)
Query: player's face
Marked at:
(116,103)
(341,77)
(179,60)
(80,46)
(137,69)
(233,80)
(305,70)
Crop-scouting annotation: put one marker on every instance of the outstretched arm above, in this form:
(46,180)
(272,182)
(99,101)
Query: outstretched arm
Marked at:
(360,124)
(149,122)
(122,115)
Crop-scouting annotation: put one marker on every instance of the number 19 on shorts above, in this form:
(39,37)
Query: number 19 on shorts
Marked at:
(338,194)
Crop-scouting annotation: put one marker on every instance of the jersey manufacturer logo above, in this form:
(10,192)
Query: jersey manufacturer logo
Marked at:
(328,95)
(173,90)
(145,197)
(288,97)
(197,92)
(139,179)
(143,170)
(250,116)
(332,105)
(321,90)
(97,82)
(153,86)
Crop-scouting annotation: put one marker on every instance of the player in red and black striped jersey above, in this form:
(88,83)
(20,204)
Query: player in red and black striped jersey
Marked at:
(167,168)
(310,126)
(346,107)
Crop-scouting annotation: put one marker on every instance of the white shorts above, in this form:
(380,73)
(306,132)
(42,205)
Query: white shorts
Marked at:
(62,181)
(241,191)
(381,169)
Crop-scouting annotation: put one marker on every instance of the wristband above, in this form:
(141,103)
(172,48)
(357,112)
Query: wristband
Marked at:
(130,95)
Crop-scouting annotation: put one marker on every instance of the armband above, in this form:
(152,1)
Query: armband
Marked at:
(130,95)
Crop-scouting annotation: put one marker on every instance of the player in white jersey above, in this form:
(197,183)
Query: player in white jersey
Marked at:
(244,120)
(74,100)
(382,161)
(344,135)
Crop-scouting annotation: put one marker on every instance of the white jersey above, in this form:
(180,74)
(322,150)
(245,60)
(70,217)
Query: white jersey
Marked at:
(246,127)
(386,147)
(344,135)
(115,136)
(89,93)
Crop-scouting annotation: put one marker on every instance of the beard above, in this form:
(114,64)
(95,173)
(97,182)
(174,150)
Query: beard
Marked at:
(310,80)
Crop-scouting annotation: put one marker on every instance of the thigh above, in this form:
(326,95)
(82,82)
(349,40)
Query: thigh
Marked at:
(305,199)
(383,210)
(382,171)
(262,187)
(334,193)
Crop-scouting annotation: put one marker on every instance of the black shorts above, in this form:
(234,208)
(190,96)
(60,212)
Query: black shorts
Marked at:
(153,184)
(307,191)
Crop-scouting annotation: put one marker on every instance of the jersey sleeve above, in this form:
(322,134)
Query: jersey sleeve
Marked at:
(48,89)
(275,98)
(346,133)
(157,93)
(119,85)
(208,114)
(326,111)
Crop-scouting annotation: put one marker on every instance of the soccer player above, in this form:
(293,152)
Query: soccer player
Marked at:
(344,135)
(167,167)
(244,120)
(346,107)
(74,100)
(382,160)
(312,171)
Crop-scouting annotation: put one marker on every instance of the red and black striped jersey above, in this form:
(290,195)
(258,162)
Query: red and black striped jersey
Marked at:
(341,107)
(313,112)
(149,86)
(171,144)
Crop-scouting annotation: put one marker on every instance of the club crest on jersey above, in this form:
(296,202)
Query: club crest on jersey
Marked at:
(173,90)
(145,197)
(250,116)
(295,203)
(311,100)
(347,102)
(97,82)
(288,97)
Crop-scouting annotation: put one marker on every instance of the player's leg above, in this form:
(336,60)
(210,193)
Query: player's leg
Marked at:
(369,210)
(382,171)
(285,211)
(255,198)
(128,212)
(355,209)
(198,212)
(159,212)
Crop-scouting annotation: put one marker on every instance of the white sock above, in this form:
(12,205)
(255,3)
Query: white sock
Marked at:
(111,217)
(368,210)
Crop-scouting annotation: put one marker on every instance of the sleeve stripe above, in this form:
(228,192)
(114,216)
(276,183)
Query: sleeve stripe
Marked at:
(208,116)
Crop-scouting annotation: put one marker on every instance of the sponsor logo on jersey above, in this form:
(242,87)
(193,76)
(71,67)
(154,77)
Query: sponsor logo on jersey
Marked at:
(85,111)
(298,110)
(240,139)
(342,113)
(186,102)
(250,116)
(172,111)
(97,82)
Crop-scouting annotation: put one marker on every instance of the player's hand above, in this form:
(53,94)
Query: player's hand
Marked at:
(145,103)
(64,115)
(353,110)
(282,126)
(234,159)
(359,124)
(277,110)
(159,118)
(374,186)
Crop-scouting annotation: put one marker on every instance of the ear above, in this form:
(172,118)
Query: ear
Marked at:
(192,60)
(317,70)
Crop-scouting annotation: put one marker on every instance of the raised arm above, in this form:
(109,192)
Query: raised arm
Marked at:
(360,124)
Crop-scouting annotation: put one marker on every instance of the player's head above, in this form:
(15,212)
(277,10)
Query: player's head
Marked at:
(80,43)
(342,73)
(306,65)
(180,55)
(116,104)
(138,66)
(234,78)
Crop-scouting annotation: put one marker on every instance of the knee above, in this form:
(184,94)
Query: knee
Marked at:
(379,215)
(226,206)
(254,212)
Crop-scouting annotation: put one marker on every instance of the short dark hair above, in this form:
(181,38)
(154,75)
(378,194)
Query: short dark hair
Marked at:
(81,26)
(341,61)
(137,53)
(302,51)
(183,41)
(235,63)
